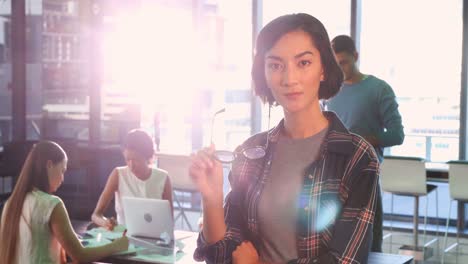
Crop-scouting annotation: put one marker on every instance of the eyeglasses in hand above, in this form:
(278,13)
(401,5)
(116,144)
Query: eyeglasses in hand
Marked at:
(227,156)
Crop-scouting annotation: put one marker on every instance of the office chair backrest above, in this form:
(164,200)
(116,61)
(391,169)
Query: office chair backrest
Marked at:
(14,155)
(458,180)
(177,166)
(403,175)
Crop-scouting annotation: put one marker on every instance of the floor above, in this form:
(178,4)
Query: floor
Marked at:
(458,255)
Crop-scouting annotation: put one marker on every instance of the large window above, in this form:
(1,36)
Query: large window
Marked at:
(57,86)
(5,71)
(227,35)
(174,64)
(6,183)
(415,46)
(335,16)
(148,67)
(36,32)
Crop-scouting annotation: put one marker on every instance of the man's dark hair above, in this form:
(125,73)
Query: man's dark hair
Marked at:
(343,43)
(273,31)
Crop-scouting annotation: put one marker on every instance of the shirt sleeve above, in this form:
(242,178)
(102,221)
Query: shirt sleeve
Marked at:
(352,234)
(221,251)
(353,231)
(390,118)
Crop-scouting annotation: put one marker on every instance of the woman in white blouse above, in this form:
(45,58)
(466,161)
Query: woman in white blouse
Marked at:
(138,179)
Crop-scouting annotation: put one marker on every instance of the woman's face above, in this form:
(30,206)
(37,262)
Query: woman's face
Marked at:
(293,70)
(55,173)
(137,163)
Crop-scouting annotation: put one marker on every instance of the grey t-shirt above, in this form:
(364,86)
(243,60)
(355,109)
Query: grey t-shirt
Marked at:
(277,209)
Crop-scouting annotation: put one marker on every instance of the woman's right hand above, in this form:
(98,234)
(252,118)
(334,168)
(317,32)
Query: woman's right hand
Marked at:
(245,253)
(109,223)
(207,173)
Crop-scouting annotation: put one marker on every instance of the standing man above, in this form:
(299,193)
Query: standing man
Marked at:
(368,107)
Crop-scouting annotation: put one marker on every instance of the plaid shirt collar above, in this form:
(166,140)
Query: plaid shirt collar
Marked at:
(334,124)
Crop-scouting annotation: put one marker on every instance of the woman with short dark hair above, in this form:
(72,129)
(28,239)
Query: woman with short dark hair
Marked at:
(310,196)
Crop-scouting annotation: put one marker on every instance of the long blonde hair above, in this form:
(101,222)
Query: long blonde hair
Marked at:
(33,175)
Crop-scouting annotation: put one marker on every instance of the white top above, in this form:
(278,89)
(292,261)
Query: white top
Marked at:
(36,243)
(130,185)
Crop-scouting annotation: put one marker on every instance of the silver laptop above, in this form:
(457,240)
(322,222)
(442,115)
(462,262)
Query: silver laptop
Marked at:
(148,220)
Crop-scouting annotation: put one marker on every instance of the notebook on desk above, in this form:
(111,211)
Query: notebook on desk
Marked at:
(149,221)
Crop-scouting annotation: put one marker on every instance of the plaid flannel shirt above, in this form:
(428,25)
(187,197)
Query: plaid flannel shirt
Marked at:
(343,178)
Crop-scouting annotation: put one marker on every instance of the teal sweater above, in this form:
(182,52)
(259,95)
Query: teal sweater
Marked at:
(369,108)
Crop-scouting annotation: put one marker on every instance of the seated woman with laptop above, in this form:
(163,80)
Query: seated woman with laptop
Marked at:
(138,179)
(35,226)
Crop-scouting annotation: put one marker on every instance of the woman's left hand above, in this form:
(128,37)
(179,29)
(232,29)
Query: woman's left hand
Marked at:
(245,253)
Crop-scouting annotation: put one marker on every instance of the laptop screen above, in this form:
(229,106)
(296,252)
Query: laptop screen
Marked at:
(149,218)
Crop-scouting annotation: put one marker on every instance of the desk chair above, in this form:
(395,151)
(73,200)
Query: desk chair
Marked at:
(178,166)
(14,154)
(407,176)
(458,188)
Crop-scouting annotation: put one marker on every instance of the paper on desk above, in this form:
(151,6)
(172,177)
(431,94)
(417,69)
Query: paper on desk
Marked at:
(102,236)
(130,251)
(158,257)
(116,233)
(95,242)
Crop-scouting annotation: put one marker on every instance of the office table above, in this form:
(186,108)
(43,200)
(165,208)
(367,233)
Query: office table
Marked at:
(374,258)
(383,258)
(189,240)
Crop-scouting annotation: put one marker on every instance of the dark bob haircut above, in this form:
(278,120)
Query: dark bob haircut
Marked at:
(273,31)
(139,141)
(343,43)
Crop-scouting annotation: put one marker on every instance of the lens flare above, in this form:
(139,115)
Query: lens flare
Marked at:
(327,212)
(320,213)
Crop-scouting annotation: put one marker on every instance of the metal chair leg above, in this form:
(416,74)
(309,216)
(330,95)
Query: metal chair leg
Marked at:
(416,222)
(437,217)
(425,225)
(446,232)
(391,224)
(425,220)
(458,245)
(182,213)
